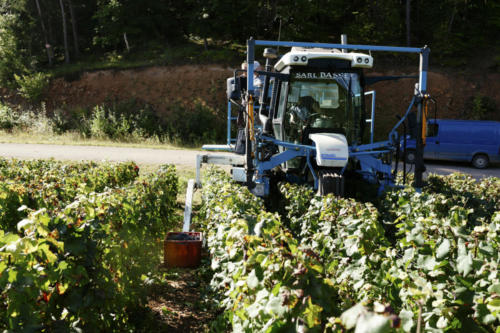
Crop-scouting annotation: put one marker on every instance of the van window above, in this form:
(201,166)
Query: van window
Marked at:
(432,129)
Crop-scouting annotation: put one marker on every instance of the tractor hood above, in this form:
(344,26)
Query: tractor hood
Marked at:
(332,149)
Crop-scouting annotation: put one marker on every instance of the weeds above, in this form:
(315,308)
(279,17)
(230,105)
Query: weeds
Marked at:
(480,107)
(129,121)
(32,86)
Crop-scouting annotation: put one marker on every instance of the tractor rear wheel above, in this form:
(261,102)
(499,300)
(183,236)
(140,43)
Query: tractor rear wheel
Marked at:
(411,156)
(330,182)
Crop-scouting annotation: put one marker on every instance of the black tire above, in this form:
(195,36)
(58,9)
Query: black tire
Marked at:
(480,161)
(330,182)
(411,156)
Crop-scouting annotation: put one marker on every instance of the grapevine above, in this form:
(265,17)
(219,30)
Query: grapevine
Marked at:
(408,259)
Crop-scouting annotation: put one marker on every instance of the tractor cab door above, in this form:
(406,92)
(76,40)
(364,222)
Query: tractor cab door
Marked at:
(280,106)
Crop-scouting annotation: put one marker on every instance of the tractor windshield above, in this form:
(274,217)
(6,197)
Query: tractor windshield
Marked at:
(332,105)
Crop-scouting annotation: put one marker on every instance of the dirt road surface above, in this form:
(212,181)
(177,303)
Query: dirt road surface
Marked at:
(179,157)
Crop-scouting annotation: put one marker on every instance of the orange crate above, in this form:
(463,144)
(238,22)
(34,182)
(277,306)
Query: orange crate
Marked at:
(182,252)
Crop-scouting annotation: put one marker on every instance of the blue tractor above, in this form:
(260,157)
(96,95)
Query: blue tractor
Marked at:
(303,118)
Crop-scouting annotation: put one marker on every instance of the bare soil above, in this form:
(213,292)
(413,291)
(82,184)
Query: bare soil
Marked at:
(165,87)
(179,303)
(160,87)
(451,91)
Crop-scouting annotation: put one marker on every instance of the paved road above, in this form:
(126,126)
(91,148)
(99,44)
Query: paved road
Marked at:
(445,168)
(99,153)
(179,157)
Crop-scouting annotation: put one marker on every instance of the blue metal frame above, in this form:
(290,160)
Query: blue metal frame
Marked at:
(230,119)
(372,113)
(424,55)
(365,154)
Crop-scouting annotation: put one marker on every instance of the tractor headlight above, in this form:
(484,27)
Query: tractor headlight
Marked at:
(304,58)
(361,61)
(296,58)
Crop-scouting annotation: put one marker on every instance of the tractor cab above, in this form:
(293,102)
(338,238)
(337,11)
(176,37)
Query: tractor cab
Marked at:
(322,93)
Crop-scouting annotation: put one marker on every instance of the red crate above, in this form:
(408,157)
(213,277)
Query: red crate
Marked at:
(182,253)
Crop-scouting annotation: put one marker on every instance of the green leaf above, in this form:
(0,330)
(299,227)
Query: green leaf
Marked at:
(12,276)
(28,246)
(372,323)
(254,309)
(443,249)
(252,280)
(275,306)
(494,305)
(462,249)
(3,266)
(464,264)
(409,254)
(495,288)
(442,322)
(406,320)
(486,249)
(276,289)
(483,314)
(312,314)
(51,257)
(8,238)
(428,262)
(350,316)
(293,248)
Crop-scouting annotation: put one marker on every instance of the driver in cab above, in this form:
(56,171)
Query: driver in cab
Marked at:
(309,113)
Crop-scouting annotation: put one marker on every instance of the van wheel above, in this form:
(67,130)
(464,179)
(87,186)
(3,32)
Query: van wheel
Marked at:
(480,161)
(411,156)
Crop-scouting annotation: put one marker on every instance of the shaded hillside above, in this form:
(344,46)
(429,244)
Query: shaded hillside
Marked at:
(165,89)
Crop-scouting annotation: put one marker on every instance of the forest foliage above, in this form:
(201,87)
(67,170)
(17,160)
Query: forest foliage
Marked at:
(38,34)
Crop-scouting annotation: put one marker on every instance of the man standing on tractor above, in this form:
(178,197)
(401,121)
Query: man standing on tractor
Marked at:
(257,81)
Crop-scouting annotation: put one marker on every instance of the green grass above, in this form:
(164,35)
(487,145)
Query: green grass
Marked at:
(75,139)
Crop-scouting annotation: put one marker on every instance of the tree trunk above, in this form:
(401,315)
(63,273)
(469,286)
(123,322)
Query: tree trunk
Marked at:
(452,18)
(74,27)
(65,33)
(48,47)
(408,16)
(126,41)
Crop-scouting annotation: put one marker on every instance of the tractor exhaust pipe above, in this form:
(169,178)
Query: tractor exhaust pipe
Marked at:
(343,41)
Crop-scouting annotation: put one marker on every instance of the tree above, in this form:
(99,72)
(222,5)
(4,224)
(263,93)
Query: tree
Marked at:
(408,25)
(143,21)
(48,46)
(10,61)
(74,28)
(65,33)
